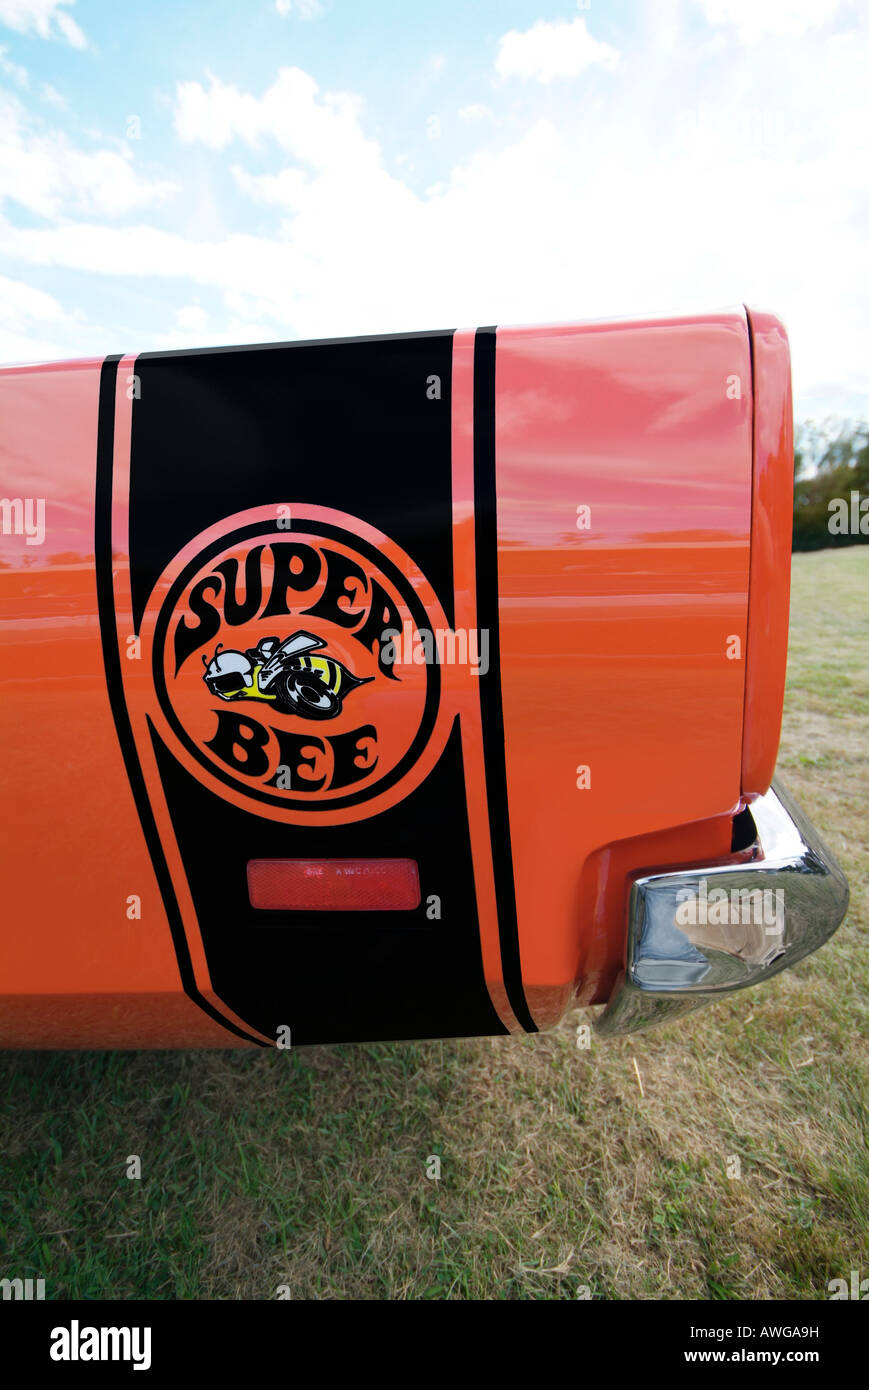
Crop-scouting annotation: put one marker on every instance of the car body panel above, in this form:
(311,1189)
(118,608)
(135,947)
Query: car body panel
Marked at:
(606,504)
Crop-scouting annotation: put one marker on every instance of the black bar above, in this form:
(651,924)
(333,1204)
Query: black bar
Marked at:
(486,540)
(115,687)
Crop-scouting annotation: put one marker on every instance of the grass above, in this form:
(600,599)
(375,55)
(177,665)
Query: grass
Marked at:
(559,1178)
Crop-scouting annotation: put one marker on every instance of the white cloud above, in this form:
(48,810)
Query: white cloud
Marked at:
(550,50)
(42,17)
(25,302)
(13,70)
(192,318)
(52,96)
(321,129)
(191,328)
(302,9)
(287,189)
(46,174)
(754,19)
(194,327)
(35,327)
(476,111)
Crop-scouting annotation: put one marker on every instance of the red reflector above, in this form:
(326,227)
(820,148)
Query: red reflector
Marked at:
(349,885)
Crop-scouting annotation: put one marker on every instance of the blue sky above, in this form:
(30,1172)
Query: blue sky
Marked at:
(185,174)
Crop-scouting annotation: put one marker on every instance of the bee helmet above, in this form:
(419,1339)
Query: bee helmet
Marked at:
(228,672)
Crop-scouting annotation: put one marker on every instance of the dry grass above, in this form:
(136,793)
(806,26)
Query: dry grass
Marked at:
(561,1170)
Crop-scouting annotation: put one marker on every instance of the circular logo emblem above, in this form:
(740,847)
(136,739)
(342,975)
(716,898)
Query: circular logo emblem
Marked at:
(284,647)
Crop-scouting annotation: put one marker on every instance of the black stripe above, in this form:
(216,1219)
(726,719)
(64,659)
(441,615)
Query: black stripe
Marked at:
(486,540)
(114,683)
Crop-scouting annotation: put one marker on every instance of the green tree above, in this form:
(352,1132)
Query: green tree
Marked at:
(831,461)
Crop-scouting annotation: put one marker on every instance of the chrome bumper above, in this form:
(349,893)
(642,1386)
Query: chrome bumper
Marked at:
(697,934)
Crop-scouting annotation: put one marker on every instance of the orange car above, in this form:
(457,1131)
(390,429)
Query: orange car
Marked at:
(398,687)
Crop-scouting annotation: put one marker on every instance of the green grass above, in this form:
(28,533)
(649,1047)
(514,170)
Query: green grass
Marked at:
(308,1168)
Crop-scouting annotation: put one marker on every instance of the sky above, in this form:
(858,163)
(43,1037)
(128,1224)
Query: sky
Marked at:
(188,174)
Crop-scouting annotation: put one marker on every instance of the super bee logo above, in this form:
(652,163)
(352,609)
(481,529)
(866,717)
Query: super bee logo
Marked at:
(275,673)
(312,687)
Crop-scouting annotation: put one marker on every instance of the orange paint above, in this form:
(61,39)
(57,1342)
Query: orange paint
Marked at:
(615,638)
(769,590)
(465,581)
(75,970)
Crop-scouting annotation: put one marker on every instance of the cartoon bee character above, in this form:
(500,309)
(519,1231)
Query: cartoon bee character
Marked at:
(284,674)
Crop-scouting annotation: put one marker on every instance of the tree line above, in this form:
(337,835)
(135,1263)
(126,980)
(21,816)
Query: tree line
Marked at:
(831,485)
